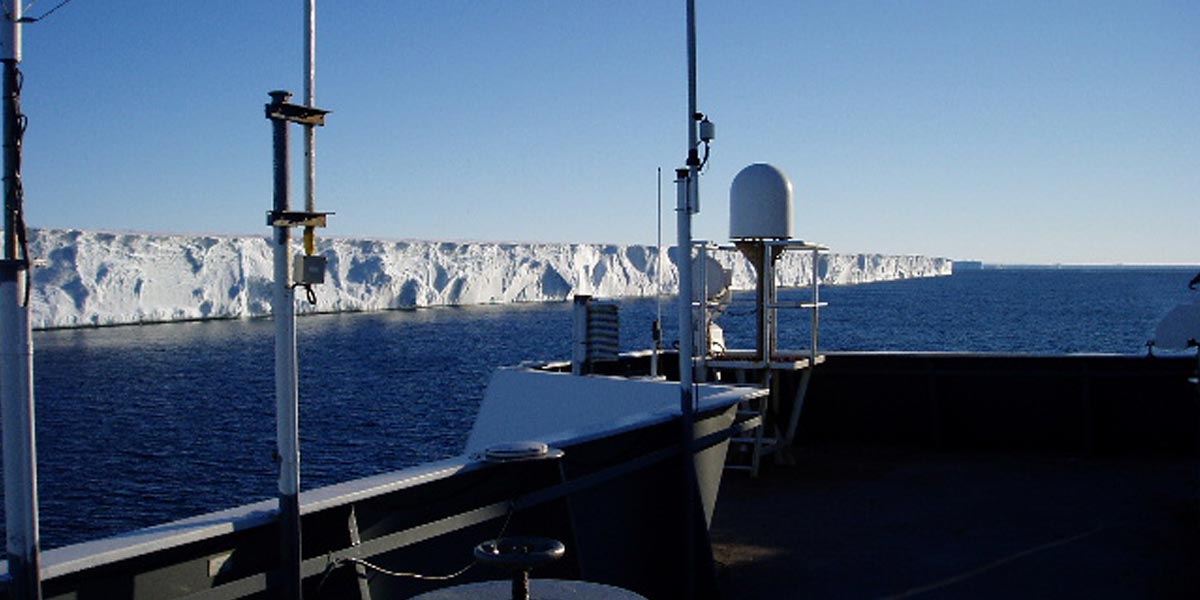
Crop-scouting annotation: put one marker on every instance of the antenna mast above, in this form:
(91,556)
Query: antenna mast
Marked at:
(657,329)
(16,344)
(687,182)
(305,271)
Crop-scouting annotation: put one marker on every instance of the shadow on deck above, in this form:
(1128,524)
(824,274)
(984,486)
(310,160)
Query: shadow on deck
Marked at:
(857,522)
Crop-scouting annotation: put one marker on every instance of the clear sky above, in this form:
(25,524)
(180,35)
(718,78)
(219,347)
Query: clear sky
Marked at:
(1006,131)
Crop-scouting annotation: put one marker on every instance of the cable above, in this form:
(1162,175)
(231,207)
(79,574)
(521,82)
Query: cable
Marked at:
(17,191)
(334,564)
(309,293)
(390,573)
(44,15)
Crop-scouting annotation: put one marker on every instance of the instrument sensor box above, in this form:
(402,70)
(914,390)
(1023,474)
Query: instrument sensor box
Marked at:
(308,270)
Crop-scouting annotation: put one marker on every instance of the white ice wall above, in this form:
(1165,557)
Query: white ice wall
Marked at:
(97,278)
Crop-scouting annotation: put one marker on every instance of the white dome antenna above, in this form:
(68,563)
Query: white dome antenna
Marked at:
(760,204)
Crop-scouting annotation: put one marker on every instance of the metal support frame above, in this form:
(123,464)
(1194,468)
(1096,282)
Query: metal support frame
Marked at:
(364,590)
(296,113)
(763,255)
(290,218)
(766,359)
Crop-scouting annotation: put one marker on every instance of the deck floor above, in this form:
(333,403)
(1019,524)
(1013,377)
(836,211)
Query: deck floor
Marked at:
(874,523)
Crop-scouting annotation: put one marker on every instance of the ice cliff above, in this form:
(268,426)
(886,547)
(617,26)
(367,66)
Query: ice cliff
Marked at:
(86,278)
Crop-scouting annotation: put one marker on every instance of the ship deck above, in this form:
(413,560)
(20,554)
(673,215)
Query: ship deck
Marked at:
(857,522)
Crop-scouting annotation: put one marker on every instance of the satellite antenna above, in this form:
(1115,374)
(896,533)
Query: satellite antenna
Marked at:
(760,214)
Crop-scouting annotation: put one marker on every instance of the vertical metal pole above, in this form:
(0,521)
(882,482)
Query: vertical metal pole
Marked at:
(20,445)
(287,397)
(16,355)
(687,346)
(703,343)
(764,302)
(688,203)
(657,333)
(310,100)
(772,253)
(310,130)
(687,343)
(816,300)
(579,349)
(289,432)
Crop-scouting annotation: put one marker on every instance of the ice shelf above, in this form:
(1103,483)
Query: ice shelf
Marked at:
(89,278)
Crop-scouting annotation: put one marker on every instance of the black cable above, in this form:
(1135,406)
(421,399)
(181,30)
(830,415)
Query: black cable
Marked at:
(333,565)
(309,293)
(44,15)
(20,124)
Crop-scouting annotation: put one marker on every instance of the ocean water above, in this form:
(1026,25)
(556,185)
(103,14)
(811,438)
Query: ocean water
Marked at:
(143,425)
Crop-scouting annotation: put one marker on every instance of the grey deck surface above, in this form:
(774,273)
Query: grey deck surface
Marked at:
(864,523)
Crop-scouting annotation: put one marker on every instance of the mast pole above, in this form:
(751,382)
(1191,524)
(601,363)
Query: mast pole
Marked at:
(287,393)
(657,331)
(686,205)
(16,355)
(283,309)
(687,181)
(310,100)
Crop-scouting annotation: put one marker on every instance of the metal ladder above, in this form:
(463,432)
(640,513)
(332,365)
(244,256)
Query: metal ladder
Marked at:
(751,420)
(754,421)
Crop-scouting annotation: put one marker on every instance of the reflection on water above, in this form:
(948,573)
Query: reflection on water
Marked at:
(139,425)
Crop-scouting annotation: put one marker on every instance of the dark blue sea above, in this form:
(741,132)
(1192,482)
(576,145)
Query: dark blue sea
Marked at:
(145,424)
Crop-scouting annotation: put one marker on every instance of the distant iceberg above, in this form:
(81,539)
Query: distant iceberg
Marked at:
(967,265)
(90,278)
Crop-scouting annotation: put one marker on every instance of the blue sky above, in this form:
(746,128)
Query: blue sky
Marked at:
(1006,131)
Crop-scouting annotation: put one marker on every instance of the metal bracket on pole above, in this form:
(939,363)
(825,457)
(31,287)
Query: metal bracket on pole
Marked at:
(291,218)
(295,113)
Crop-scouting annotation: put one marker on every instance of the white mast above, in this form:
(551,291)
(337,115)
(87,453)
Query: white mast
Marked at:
(287,387)
(310,100)
(16,345)
(287,393)
(687,184)
(688,204)
(657,332)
